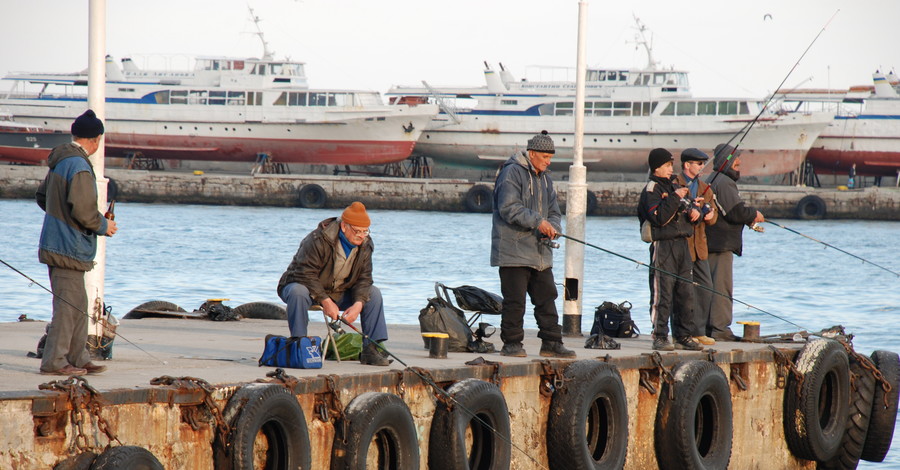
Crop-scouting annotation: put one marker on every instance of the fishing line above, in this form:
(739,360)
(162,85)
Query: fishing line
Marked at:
(832,246)
(444,393)
(102,320)
(689,281)
(766,104)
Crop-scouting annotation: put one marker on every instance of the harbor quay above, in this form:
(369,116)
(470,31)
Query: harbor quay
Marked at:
(190,392)
(434,194)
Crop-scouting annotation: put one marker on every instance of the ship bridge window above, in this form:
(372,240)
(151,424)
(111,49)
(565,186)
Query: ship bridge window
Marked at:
(706,108)
(275,69)
(642,109)
(733,107)
(686,108)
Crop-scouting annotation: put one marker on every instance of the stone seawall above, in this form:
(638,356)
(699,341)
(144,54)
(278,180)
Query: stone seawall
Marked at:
(607,198)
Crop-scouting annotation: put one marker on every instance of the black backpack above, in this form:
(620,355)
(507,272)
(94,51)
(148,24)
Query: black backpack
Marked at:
(615,320)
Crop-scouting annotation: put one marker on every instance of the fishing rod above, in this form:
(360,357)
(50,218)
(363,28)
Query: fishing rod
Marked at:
(427,380)
(765,106)
(689,281)
(832,246)
(102,320)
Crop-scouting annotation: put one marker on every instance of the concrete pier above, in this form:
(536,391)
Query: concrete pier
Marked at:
(435,194)
(170,421)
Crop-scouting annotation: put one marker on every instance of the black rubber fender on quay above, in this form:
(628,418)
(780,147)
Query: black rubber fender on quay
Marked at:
(694,430)
(479,198)
(587,426)
(312,196)
(130,457)
(861,395)
(815,419)
(273,411)
(884,407)
(261,310)
(479,411)
(161,305)
(379,431)
(810,207)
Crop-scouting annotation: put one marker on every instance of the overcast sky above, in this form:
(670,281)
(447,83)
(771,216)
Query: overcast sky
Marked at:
(730,47)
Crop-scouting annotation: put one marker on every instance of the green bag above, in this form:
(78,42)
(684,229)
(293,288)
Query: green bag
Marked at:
(349,345)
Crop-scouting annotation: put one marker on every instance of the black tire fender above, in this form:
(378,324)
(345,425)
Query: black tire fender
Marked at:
(380,427)
(152,305)
(695,429)
(130,457)
(261,310)
(587,427)
(112,189)
(858,422)
(82,461)
(591,203)
(479,198)
(815,419)
(271,410)
(312,196)
(884,407)
(810,208)
(447,442)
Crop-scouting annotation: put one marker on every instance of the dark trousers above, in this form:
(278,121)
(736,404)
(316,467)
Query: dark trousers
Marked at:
(298,301)
(721,308)
(515,282)
(669,296)
(67,336)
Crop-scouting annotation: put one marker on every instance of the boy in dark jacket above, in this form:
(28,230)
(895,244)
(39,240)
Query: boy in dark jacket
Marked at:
(724,238)
(670,224)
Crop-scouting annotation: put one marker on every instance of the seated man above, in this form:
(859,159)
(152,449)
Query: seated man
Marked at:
(333,269)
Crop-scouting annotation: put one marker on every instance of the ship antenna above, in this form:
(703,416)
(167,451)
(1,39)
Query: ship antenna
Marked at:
(640,39)
(267,54)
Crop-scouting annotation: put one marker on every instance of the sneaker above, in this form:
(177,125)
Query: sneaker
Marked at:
(704,340)
(688,343)
(555,349)
(661,343)
(371,356)
(513,350)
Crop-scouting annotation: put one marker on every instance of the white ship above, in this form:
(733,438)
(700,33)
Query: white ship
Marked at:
(226,109)
(628,112)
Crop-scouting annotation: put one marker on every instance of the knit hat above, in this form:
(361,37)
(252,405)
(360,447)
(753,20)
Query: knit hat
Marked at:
(356,215)
(541,143)
(721,153)
(87,126)
(693,155)
(658,158)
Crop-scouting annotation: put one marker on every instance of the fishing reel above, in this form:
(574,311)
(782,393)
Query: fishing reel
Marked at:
(548,242)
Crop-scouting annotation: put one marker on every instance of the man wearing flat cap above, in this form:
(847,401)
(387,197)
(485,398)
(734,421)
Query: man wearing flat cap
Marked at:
(72,221)
(725,238)
(701,196)
(333,269)
(526,217)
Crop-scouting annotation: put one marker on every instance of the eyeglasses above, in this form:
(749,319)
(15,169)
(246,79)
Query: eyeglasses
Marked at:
(362,232)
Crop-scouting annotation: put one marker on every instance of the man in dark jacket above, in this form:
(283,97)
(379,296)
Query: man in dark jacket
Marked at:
(725,238)
(72,221)
(526,218)
(669,221)
(700,194)
(333,269)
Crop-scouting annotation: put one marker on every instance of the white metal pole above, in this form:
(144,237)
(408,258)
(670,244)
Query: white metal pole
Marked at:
(94,279)
(576,198)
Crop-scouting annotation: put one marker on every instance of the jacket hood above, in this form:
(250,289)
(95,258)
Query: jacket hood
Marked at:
(722,152)
(64,151)
(521,159)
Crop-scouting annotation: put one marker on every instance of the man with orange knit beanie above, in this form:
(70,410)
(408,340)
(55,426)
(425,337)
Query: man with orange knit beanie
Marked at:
(333,269)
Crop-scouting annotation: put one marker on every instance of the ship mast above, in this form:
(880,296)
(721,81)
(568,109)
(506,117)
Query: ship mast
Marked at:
(640,39)
(267,54)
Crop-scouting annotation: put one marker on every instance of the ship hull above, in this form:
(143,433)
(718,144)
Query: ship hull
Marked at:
(31,148)
(872,144)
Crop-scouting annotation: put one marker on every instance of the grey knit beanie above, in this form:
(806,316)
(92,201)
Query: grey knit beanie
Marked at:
(541,143)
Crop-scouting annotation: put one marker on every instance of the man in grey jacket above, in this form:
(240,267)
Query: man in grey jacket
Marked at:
(526,218)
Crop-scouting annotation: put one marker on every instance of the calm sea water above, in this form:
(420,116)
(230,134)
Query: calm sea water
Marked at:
(187,253)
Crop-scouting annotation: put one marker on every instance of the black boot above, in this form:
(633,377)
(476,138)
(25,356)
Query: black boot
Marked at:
(555,349)
(371,356)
